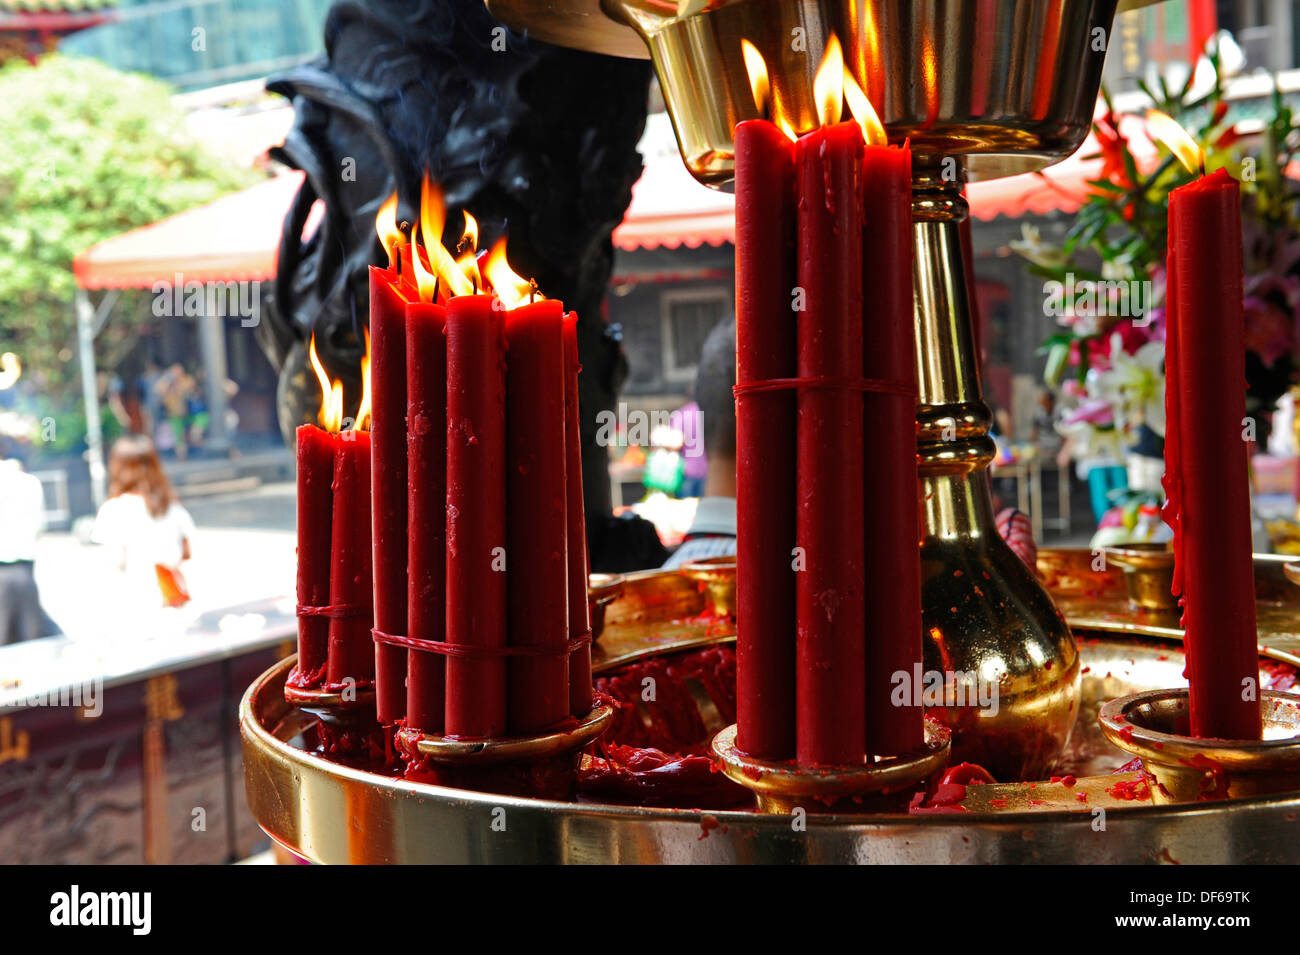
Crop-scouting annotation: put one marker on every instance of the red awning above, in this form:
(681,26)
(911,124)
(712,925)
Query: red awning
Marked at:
(231,239)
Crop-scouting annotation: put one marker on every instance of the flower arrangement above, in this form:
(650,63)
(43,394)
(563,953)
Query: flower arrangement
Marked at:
(1106,280)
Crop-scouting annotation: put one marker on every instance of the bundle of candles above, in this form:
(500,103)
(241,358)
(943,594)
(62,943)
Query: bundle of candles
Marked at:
(470,477)
(828,573)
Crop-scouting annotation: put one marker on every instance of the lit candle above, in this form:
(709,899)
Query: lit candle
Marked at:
(765,432)
(829,598)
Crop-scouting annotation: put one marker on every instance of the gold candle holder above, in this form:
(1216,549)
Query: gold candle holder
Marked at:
(884,785)
(602,590)
(1183,769)
(718,576)
(1148,574)
(541,765)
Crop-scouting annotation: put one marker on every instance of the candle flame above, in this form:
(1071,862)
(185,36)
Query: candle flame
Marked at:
(756,67)
(511,290)
(467,250)
(873,130)
(331,405)
(441,266)
(386,228)
(442,274)
(362,422)
(828,83)
(787,129)
(1166,129)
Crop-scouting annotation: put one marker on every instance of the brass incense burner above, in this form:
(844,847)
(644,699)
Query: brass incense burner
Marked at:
(980,89)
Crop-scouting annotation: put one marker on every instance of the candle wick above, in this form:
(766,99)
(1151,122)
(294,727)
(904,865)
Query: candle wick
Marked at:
(463,245)
(532,291)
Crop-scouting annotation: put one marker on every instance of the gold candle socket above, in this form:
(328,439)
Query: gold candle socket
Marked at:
(886,784)
(602,590)
(718,577)
(1148,574)
(1183,769)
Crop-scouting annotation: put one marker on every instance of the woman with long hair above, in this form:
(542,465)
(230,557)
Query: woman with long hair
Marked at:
(144,523)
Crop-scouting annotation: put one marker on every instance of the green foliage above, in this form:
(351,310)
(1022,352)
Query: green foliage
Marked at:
(89,153)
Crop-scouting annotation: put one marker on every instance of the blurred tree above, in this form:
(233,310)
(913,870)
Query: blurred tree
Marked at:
(89,153)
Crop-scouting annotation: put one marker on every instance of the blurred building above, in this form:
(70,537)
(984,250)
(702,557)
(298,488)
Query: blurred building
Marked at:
(200,43)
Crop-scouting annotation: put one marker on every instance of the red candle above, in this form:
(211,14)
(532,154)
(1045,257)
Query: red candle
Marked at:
(388,486)
(538,615)
(765,442)
(315,510)
(830,652)
(476,513)
(892,528)
(351,653)
(580,693)
(1205,457)
(426,416)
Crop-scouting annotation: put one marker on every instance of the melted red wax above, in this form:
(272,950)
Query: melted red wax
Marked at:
(1135,790)
(1214,784)
(968,774)
(947,798)
(671,722)
(1066,781)
(644,776)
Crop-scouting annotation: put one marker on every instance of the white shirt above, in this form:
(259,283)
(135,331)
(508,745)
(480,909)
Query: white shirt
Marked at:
(715,530)
(124,521)
(22,512)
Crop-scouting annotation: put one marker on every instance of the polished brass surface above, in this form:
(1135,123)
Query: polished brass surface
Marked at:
(1090,593)
(1185,769)
(472,752)
(717,575)
(333,813)
(1292,568)
(983,610)
(783,787)
(1003,86)
(602,590)
(1148,574)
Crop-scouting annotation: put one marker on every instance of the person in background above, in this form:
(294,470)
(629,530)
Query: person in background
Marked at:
(695,462)
(22,516)
(713,531)
(144,526)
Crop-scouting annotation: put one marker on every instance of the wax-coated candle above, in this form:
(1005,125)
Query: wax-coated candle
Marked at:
(315,509)
(476,515)
(351,648)
(580,690)
(388,486)
(538,614)
(830,655)
(765,442)
(892,528)
(426,461)
(1206,458)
